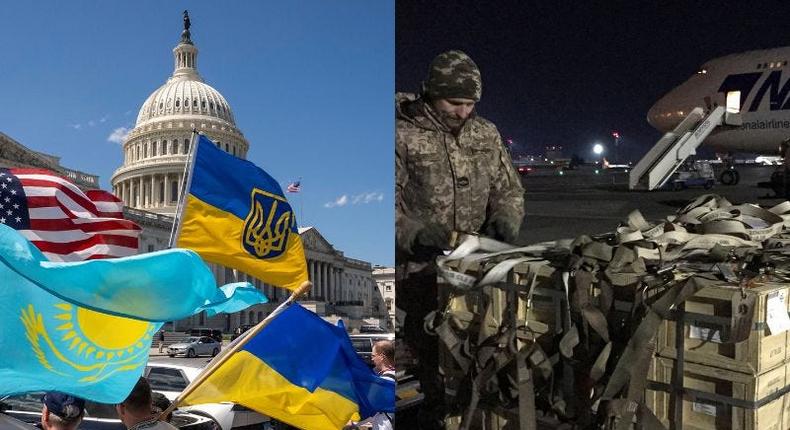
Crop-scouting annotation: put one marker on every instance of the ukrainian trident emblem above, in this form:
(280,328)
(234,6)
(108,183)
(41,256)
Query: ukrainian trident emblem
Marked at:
(268,225)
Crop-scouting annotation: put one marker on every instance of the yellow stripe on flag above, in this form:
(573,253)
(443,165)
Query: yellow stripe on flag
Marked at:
(247,380)
(217,236)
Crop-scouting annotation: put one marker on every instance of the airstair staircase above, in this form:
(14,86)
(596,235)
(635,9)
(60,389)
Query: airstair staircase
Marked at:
(658,165)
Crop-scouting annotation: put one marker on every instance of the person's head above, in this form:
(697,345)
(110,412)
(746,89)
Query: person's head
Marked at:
(383,354)
(159,404)
(61,411)
(137,406)
(453,87)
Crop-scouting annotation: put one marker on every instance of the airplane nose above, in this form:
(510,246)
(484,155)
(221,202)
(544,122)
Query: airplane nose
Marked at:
(661,117)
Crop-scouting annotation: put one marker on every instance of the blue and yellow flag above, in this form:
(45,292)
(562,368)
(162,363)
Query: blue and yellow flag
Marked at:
(300,370)
(85,328)
(236,215)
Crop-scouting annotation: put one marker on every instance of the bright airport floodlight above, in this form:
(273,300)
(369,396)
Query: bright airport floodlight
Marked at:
(598,149)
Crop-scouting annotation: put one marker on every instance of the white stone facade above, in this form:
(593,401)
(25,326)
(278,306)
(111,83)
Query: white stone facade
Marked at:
(14,154)
(149,182)
(385,280)
(156,150)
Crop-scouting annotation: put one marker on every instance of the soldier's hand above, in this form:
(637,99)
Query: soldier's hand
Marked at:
(433,236)
(502,229)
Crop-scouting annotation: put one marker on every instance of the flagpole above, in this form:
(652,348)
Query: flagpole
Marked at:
(220,359)
(301,204)
(189,167)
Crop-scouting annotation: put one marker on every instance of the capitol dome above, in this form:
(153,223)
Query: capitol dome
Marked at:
(157,149)
(185,97)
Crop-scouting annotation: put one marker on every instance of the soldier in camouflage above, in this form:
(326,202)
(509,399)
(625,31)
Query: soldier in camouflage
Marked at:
(452,174)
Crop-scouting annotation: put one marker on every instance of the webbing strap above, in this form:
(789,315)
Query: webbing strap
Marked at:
(636,383)
(526,392)
(719,398)
(590,313)
(645,333)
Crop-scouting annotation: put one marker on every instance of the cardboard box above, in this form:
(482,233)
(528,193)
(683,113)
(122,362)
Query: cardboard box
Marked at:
(745,401)
(707,321)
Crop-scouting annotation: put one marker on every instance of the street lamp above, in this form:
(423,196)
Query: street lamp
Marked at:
(598,149)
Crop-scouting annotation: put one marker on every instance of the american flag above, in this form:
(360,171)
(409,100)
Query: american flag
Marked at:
(294,187)
(61,220)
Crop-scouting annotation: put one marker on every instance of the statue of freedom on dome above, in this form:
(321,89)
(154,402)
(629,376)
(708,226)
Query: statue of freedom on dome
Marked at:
(185,36)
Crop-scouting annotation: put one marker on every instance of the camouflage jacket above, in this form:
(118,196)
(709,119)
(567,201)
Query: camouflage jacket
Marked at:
(457,182)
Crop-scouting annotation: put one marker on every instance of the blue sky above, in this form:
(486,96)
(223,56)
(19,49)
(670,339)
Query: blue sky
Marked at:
(310,83)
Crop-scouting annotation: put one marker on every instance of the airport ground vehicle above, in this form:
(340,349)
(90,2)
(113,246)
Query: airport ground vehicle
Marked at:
(98,416)
(363,344)
(170,379)
(698,174)
(194,346)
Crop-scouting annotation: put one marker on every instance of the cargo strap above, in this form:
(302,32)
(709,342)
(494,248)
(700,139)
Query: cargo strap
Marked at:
(648,269)
(718,398)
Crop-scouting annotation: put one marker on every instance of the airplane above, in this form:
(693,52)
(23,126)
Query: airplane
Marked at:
(749,83)
(616,167)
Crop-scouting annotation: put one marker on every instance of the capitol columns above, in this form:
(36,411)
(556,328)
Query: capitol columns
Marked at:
(328,282)
(141,194)
(167,188)
(319,267)
(311,271)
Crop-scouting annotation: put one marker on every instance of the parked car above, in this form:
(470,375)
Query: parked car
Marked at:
(363,344)
(371,328)
(214,333)
(194,346)
(8,422)
(98,416)
(171,379)
(241,330)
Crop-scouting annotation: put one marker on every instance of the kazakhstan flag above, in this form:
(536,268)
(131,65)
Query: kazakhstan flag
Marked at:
(85,328)
(236,215)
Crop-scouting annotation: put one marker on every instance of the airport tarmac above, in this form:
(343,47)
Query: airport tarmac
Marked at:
(582,202)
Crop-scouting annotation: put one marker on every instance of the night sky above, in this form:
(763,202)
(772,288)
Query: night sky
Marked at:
(569,73)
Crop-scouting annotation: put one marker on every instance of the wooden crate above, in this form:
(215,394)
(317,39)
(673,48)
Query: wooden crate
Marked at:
(701,414)
(762,351)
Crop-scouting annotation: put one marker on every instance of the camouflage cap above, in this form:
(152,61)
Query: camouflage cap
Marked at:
(453,75)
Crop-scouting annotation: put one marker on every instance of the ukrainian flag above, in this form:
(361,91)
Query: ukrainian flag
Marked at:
(301,370)
(236,215)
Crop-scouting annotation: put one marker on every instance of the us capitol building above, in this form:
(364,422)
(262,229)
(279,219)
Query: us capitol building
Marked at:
(149,181)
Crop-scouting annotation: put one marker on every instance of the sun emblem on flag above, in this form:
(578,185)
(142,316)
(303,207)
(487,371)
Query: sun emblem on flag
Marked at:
(268,225)
(90,346)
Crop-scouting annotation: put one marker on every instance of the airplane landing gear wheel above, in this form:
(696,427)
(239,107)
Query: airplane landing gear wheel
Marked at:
(730,177)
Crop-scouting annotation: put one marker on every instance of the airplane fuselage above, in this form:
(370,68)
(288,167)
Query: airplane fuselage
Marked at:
(763,79)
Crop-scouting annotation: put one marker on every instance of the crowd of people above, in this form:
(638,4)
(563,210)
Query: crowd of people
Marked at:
(141,410)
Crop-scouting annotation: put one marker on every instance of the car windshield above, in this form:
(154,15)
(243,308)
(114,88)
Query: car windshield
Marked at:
(192,340)
(31,402)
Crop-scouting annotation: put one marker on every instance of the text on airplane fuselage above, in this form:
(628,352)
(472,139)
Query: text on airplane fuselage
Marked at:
(745,82)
